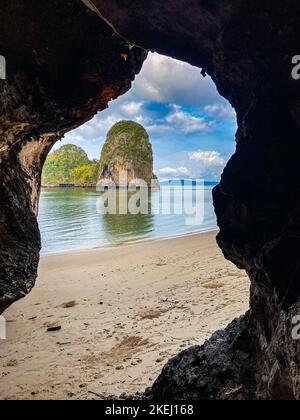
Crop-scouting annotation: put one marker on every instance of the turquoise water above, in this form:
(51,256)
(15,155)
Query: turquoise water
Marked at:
(70,220)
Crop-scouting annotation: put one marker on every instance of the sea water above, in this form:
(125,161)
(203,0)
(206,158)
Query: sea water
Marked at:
(69,220)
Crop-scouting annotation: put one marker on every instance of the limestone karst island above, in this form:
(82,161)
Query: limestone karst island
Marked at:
(126,161)
(127,157)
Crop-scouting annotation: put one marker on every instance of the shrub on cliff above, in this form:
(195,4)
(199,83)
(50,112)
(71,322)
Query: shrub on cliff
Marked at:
(86,174)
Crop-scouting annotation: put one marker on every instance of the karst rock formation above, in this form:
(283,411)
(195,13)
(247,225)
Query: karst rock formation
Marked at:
(127,158)
(66,59)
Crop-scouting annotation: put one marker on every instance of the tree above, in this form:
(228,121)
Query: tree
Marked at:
(69,165)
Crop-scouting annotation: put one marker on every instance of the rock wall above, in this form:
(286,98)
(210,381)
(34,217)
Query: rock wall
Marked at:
(64,63)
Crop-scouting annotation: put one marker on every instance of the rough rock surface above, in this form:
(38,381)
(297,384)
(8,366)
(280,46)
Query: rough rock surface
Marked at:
(220,369)
(64,64)
(127,157)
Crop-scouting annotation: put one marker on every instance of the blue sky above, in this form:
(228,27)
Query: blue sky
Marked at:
(191,127)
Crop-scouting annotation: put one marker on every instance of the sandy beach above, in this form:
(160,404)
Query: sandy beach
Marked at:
(118,315)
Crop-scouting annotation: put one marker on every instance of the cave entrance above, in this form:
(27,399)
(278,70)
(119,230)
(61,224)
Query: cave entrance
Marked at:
(144,293)
(191,130)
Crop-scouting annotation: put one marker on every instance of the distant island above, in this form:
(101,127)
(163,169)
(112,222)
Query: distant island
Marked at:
(70,166)
(127,151)
(187,182)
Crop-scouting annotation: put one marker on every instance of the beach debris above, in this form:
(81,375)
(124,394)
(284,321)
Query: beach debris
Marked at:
(64,344)
(70,304)
(213,285)
(54,327)
(11,363)
(150,314)
(96,394)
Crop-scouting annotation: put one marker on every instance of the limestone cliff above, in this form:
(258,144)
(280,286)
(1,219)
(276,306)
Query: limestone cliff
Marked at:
(127,157)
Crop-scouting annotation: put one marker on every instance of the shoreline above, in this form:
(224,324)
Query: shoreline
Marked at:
(127,243)
(121,314)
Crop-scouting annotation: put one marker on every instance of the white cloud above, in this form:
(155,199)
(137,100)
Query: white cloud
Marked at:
(164,79)
(221,111)
(142,119)
(131,108)
(208,158)
(158,129)
(91,136)
(99,126)
(174,171)
(186,123)
(199,164)
(176,121)
(182,170)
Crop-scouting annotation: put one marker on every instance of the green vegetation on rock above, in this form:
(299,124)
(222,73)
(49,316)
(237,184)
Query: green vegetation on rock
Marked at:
(127,148)
(134,140)
(70,165)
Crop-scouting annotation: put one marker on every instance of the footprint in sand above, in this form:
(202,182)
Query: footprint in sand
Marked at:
(213,285)
(125,350)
